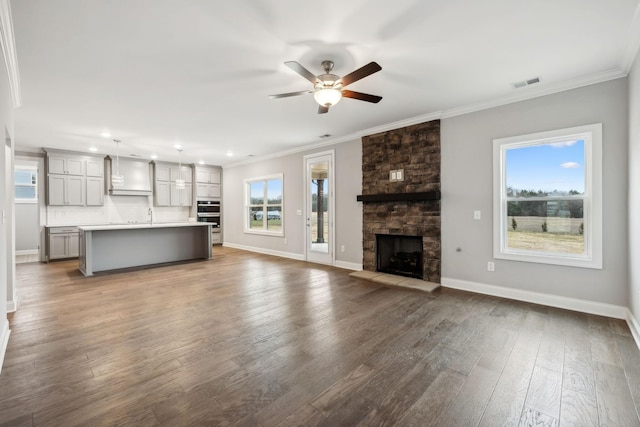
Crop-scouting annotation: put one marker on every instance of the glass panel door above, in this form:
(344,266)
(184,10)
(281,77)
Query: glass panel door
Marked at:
(319,177)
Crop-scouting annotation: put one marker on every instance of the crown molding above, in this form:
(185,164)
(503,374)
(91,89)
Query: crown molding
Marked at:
(7,40)
(634,42)
(523,94)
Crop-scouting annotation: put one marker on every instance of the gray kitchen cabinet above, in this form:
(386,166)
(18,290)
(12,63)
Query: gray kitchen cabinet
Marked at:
(186,173)
(162,193)
(66,190)
(207,190)
(181,197)
(161,172)
(65,165)
(63,242)
(208,176)
(95,191)
(95,168)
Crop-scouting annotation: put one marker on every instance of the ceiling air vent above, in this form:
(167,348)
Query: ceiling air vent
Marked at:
(524,83)
(326,135)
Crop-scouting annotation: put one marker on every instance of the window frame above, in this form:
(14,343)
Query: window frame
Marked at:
(265,205)
(592,208)
(34,172)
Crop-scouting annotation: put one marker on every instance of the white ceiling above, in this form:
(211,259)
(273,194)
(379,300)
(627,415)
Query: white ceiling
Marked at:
(155,73)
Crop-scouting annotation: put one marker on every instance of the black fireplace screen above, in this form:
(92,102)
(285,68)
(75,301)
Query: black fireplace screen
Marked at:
(401,255)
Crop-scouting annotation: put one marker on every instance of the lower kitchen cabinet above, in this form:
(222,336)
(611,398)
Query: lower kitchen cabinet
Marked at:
(63,242)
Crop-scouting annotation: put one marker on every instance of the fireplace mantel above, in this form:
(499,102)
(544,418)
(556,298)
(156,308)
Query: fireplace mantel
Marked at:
(425,196)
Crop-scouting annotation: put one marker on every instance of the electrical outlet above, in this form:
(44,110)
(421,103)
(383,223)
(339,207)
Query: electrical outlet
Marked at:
(285,241)
(491,266)
(477,215)
(342,248)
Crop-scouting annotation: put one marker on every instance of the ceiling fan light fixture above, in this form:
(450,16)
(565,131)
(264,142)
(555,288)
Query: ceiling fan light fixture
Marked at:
(327,97)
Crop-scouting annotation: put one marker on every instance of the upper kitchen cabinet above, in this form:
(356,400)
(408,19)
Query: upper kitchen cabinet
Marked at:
(165,191)
(95,167)
(185,173)
(65,165)
(208,182)
(66,190)
(207,176)
(67,182)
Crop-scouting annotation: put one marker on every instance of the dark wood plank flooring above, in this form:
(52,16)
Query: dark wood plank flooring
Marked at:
(248,339)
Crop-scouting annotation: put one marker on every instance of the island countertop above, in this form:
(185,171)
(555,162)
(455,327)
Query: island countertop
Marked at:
(117,246)
(140,225)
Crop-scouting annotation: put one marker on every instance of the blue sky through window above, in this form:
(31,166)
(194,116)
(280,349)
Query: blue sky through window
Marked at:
(547,167)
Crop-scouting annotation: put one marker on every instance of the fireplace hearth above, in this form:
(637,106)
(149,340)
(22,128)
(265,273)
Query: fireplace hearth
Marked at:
(400,255)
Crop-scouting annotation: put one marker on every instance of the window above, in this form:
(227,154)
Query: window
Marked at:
(264,205)
(26,184)
(547,197)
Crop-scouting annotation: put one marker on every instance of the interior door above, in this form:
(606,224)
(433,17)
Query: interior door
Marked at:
(319,211)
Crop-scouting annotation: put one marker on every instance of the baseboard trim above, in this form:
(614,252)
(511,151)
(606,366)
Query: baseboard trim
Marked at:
(634,326)
(584,306)
(348,265)
(28,252)
(290,255)
(4,341)
(12,306)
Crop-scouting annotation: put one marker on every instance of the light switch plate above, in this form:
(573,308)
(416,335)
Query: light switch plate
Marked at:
(477,215)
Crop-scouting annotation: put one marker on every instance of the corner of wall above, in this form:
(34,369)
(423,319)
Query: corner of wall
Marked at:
(4,340)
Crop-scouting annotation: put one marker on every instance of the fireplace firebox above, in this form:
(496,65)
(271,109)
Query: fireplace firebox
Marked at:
(400,255)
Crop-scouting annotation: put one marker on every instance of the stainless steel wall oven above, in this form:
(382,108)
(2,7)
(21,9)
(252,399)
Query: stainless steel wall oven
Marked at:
(209,211)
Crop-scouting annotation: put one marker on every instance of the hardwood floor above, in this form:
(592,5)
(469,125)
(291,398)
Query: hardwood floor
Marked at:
(248,339)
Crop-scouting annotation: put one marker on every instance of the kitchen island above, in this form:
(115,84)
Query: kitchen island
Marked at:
(112,247)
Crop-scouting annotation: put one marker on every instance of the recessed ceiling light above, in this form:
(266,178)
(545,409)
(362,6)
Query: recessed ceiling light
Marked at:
(177,146)
(153,156)
(105,134)
(201,162)
(229,153)
(94,149)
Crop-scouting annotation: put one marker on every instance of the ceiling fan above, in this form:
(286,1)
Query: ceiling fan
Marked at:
(328,88)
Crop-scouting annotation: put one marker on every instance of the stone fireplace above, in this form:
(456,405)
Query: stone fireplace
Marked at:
(401,193)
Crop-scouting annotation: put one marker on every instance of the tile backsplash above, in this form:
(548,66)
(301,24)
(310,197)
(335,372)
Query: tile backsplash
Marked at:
(116,209)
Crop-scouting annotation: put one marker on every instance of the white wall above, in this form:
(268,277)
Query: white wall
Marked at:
(634,189)
(348,172)
(6,256)
(467,186)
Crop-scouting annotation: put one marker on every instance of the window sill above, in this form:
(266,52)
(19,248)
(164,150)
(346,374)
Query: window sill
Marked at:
(553,259)
(265,233)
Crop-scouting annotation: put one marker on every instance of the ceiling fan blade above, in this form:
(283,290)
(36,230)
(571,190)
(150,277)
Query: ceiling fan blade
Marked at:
(286,95)
(322,109)
(360,73)
(302,71)
(361,96)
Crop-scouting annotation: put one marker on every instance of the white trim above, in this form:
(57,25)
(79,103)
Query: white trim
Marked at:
(348,265)
(634,42)
(12,306)
(584,306)
(290,255)
(634,327)
(28,252)
(7,40)
(4,341)
(332,203)
(265,205)
(592,257)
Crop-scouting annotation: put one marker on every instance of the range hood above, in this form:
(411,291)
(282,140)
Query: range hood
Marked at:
(136,173)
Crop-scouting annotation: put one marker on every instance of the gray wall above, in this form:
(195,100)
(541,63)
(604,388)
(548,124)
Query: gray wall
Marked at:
(348,223)
(467,168)
(467,186)
(634,189)
(28,214)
